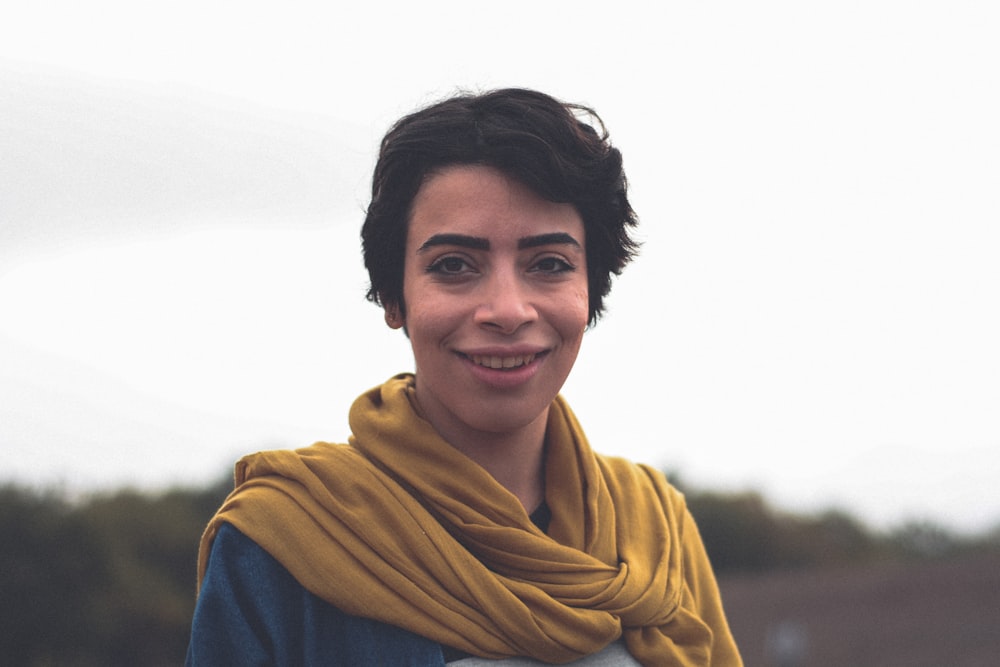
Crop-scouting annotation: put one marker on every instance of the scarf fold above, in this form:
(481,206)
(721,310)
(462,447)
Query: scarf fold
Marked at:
(399,526)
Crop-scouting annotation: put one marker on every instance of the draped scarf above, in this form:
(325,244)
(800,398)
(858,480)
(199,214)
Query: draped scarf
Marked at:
(401,527)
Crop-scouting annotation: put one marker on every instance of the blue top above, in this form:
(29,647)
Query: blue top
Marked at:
(252,611)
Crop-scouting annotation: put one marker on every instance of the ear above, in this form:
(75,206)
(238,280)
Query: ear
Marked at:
(393,317)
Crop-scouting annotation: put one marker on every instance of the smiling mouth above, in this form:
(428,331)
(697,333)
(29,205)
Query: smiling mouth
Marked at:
(501,363)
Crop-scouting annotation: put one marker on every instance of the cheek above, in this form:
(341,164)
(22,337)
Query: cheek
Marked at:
(568,316)
(428,322)
(577,310)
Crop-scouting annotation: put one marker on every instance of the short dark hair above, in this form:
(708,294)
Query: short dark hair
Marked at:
(539,141)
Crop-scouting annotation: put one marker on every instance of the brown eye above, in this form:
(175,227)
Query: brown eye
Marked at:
(552,265)
(449,266)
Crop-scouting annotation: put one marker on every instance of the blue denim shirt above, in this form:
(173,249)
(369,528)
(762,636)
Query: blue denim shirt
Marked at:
(251,611)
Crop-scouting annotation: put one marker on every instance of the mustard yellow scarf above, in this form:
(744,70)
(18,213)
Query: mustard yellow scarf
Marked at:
(401,527)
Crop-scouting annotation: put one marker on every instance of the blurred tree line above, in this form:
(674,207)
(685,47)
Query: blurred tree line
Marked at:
(109,579)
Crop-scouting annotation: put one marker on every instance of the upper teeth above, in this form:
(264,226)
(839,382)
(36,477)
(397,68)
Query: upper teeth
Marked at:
(502,362)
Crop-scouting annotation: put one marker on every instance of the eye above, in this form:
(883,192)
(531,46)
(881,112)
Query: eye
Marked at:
(552,265)
(449,266)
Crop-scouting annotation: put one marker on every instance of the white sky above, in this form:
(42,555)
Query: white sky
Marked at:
(815,313)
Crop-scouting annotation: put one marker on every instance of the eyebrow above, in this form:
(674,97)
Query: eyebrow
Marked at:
(480,243)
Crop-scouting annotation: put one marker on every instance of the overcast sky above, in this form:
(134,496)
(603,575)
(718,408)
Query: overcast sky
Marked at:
(814,315)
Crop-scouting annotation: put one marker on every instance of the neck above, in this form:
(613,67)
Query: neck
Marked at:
(518,464)
(515,459)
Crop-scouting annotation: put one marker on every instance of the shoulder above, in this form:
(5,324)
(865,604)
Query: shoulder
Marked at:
(629,480)
(251,610)
(241,573)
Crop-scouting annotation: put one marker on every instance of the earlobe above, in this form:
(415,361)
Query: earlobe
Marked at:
(393,318)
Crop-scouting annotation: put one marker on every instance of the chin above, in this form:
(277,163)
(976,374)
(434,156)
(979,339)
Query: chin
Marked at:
(510,418)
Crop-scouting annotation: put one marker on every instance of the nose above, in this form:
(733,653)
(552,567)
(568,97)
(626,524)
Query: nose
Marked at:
(506,304)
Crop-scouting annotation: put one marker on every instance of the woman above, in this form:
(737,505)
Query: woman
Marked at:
(467,521)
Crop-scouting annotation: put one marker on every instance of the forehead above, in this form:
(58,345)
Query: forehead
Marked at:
(480,200)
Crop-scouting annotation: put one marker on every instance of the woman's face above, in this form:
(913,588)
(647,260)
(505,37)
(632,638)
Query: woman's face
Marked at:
(495,288)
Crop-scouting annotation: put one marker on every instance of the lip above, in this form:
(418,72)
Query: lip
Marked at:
(504,378)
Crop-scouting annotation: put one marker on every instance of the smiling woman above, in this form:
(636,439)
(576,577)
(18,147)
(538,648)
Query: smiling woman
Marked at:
(495,287)
(467,521)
